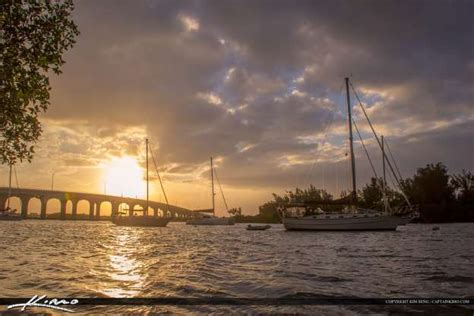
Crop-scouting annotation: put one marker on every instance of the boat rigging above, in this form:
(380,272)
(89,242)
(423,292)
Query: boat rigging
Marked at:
(309,215)
(202,218)
(145,220)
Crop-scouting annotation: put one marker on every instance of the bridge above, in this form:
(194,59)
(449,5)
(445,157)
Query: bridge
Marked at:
(95,202)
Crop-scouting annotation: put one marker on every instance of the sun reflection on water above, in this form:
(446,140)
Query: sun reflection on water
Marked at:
(124,270)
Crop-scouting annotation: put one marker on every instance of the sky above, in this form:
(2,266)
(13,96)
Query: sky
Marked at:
(258,85)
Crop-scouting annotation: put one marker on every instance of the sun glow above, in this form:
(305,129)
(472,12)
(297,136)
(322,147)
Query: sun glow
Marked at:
(123,176)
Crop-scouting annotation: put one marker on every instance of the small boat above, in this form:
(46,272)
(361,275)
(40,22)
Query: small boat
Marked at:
(208,217)
(122,219)
(9,214)
(258,227)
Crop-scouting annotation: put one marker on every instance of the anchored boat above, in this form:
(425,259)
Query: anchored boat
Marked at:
(345,222)
(7,213)
(258,227)
(207,216)
(210,220)
(310,216)
(141,221)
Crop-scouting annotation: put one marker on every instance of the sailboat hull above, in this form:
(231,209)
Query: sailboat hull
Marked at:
(359,223)
(10,218)
(211,221)
(141,221)
(9,215)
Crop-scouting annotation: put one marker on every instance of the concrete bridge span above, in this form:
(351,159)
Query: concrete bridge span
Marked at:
(95,202)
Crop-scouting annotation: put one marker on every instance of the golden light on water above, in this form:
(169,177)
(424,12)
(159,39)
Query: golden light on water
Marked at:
(124,176)
(124,269)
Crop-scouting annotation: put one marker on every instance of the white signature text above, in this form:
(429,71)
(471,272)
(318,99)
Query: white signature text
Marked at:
(43,301)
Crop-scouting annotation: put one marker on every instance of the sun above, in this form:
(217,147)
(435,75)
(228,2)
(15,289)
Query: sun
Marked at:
(124,177)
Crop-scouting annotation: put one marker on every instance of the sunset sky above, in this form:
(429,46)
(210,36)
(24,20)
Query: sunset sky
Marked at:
(258,85)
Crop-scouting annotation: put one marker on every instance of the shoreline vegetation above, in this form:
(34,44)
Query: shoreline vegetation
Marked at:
(441,198)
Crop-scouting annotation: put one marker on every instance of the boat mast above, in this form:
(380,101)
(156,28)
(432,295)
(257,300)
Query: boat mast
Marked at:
(384,177)
(354,192)
(383,180)
(383,164)
(212,182)
(147,184)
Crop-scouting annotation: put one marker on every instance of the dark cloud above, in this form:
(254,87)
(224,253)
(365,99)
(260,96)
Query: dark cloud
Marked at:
(246,81)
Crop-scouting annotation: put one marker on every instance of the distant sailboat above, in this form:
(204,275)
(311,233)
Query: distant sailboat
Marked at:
(145,220)
(207,216)
(7,213)
(296,216)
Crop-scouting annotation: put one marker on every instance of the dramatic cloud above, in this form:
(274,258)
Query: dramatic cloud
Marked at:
(259,86)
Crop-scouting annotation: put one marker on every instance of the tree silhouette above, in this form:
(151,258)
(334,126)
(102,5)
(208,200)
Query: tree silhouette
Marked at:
(235,211)
(441,197)
(463,186)
(33,37)
(371,196)
(431,185)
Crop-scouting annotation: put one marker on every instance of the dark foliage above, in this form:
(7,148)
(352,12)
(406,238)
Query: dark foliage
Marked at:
(33,37)
(441,197)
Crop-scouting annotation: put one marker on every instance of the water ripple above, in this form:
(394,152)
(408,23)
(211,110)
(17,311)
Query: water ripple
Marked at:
(98,259)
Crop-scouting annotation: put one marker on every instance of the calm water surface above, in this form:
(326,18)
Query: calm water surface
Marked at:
(98,259)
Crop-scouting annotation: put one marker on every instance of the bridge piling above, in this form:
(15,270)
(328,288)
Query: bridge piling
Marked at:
(44,202)
(97,210)
(91,210)
(74,209)
(114,210)
(63,209)
(3,202)
(24,206)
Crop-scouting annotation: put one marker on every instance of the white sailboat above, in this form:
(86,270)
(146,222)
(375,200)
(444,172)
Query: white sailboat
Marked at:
(345,222)
(210,220)
(298,217)
(207,216)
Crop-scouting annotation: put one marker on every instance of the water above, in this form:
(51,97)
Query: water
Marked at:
(98,259)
